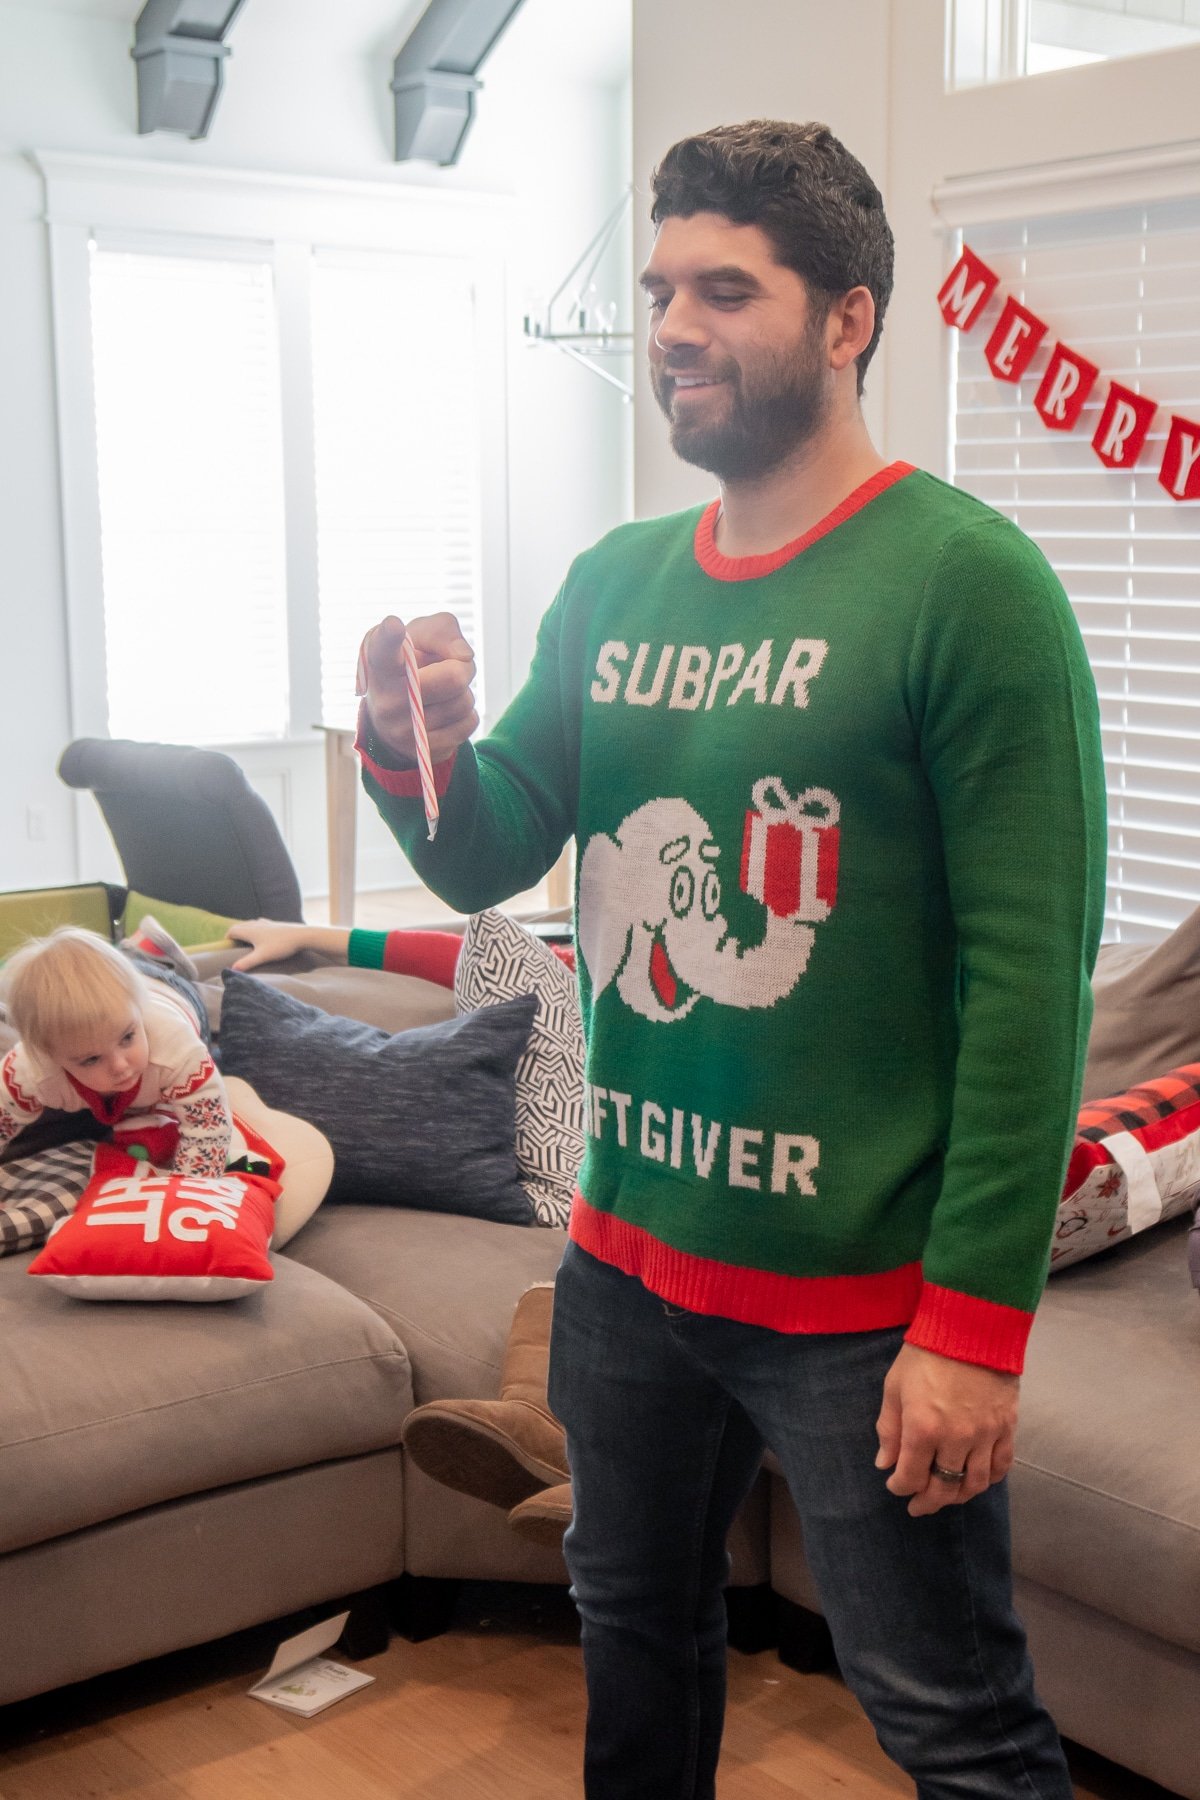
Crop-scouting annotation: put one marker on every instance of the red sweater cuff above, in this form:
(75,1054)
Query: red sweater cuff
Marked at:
(402,784)
(970,1330)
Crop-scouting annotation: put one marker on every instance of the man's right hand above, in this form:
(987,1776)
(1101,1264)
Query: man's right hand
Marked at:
(447,668)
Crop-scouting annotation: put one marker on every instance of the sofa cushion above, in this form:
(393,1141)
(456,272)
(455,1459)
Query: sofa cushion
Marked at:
(1106,1501)
(109,1409)
(421,1118)
(447,1287)
(373,996)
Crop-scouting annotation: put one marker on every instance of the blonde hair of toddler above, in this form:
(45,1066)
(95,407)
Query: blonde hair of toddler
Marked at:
(63,987)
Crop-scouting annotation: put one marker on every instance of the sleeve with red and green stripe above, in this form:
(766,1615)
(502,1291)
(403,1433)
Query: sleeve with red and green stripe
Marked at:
(507,803)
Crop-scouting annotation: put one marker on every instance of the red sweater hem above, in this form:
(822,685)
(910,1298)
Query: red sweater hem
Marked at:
(948,1323)
(799,1303)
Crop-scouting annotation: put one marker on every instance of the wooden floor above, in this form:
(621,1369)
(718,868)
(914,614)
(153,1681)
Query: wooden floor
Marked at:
(492,1710)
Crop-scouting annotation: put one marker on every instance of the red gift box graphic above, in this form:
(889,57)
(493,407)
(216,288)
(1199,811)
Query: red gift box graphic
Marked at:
(790,850)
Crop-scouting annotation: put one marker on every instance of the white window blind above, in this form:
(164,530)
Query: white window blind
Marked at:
(1121,287)
(397,431)
(189,455)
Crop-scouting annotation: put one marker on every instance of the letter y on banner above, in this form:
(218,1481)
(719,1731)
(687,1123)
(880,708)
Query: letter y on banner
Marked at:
(966,290)
(1180,471)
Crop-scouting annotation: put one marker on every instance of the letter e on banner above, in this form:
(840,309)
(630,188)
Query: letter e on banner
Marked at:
(1123,426)
(966,290)
(1010,348)
(1068,381)
(1180,471)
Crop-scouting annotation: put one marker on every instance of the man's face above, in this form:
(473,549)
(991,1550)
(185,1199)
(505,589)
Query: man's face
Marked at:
(737,358)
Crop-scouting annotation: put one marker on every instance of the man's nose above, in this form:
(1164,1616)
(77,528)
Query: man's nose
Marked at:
(680,325)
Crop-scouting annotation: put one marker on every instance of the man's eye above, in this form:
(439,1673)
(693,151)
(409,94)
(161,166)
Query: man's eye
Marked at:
(728,299)
(656,302)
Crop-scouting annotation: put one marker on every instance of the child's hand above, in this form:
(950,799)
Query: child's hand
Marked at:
(269,940)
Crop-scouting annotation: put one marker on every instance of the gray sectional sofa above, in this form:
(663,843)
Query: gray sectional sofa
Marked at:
(172,1473)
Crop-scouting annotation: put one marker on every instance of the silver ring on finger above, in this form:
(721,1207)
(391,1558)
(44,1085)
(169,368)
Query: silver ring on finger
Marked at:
(953,1476)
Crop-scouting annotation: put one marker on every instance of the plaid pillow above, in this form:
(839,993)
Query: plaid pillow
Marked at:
(37,1191)
(1136,1161)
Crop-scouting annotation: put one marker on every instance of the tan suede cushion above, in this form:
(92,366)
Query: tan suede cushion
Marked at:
(109,1409)
(373,996)
(1106,1502)
(447,1285)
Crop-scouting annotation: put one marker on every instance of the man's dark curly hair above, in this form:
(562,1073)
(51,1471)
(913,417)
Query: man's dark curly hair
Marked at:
(801,186)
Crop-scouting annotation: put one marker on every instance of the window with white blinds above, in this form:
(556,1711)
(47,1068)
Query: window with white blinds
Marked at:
(1121,287)
(185,367)
(396,385)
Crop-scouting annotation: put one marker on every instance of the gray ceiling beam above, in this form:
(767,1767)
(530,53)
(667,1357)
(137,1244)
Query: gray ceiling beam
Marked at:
(435,76)
(179,53)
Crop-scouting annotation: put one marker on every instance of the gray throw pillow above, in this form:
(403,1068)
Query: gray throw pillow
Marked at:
(1147,1017)
(423,1118)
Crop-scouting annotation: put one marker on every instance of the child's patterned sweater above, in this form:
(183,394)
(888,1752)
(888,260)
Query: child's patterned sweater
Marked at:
(180,1087)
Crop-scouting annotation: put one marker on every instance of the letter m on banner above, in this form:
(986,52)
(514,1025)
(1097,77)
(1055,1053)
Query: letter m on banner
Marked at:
(966,290)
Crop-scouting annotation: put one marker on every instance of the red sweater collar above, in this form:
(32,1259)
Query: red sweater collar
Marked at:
(108,1108)
(746,568)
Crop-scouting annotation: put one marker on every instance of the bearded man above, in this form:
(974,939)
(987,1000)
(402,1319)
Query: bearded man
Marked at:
(829,749)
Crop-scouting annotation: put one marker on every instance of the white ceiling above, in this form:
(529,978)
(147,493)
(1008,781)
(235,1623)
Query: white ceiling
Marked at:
(580,40)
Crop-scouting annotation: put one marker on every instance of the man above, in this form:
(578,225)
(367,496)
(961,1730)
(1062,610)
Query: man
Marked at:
(830,753)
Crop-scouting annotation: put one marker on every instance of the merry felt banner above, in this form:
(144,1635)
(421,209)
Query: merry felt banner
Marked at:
(1125,417)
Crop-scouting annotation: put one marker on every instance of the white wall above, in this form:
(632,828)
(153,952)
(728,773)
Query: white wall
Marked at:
(306,93)
(873,70)
(698,63)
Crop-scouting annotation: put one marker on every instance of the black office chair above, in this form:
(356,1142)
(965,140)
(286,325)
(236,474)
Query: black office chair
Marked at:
(188,826)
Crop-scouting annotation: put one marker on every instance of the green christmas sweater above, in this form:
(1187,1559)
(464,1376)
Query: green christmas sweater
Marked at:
(839,818)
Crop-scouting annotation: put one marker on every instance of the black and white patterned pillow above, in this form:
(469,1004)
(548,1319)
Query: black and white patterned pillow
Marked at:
(499,960)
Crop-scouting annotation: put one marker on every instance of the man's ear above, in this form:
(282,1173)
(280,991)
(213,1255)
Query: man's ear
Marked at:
(850,326)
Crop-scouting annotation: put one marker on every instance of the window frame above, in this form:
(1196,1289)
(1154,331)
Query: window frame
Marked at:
(175,207)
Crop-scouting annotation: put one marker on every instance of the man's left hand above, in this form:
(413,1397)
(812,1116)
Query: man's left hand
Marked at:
(954,1415)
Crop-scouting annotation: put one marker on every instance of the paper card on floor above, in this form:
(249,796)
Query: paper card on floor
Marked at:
(304,1681)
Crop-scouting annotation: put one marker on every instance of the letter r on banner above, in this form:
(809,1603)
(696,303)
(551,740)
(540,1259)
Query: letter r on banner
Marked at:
(1068,381)
(1126,418)
(1180,471)
(1017,335)
(966,290)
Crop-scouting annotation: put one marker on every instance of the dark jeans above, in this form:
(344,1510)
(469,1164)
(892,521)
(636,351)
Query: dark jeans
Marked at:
(666,1414)
(158,970)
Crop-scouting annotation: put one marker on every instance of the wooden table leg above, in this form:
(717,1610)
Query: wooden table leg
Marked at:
(560,881)
(341,808)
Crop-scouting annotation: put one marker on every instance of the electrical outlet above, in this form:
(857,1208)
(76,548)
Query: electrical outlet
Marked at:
(35,824)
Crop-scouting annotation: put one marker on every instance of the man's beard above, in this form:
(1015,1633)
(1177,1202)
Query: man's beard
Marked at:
(767,417)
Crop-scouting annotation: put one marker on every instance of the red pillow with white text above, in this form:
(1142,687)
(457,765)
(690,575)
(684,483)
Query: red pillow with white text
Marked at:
(139,1233)
(1135,1163)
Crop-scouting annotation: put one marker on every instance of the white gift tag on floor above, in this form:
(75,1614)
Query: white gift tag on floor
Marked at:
(304,1681)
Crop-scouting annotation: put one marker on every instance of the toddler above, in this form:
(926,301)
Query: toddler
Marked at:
(102,1032)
